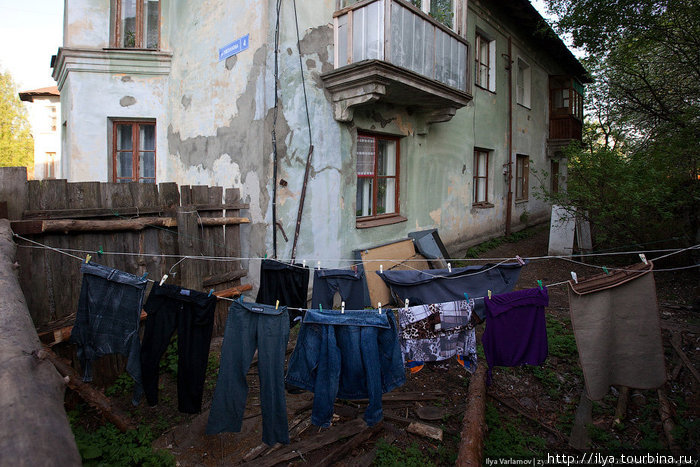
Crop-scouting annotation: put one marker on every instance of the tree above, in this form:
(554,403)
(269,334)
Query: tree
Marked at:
(16,142)
(639,165)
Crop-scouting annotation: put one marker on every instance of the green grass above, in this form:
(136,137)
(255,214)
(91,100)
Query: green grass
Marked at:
(476,250)
(506,437)
(106,445)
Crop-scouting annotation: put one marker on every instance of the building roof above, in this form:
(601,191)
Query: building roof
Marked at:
(28,96)
(527,19)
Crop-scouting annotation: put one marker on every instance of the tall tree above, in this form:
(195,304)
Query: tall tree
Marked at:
(643,112)
(16,142)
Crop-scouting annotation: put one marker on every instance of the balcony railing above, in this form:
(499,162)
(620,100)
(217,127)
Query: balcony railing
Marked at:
(396,32)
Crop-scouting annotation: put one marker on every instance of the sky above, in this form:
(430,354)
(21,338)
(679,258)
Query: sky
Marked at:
(31,31)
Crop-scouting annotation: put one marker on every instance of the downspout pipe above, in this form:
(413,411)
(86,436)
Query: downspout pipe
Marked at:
(509,170)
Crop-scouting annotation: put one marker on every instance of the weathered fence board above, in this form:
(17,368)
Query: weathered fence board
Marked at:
(82,214)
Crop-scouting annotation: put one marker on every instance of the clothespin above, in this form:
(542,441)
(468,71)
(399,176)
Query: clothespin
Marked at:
(449,267)
(265,255)
(87,258)
(318,265)
(489,295)
(643,257)
(211,291)
(163,279)
(405,303)
(100,252)
(539,283)
(320,307)
(303,263)
(342,307)
(381,269)
(379,305)
(574,277)
(605,270)
(466,296)
(277,304)
(520,260)
(145,274)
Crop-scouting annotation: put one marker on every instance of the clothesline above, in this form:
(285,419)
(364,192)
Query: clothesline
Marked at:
(556,284)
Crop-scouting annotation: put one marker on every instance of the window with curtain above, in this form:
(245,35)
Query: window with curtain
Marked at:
(377,176)
(481,177)
(522,174)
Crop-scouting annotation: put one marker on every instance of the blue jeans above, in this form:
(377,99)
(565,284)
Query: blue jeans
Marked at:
(355,355)
(108,317)
(350,285)
(441,285)
(250,326)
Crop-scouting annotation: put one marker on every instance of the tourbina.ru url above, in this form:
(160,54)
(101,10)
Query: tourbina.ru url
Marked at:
(597,458)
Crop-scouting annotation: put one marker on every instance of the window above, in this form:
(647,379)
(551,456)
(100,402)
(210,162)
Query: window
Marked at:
(523,83)
(441,10)
(52,118)
(377,178)
(137,24)
(50,165)
(522,175)
(484,56)
(481,176)
(134,152)
(554,188)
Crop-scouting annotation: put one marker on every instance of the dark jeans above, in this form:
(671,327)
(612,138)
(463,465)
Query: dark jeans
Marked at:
(441,285)
(252,326)
(350,286)
(284,282)
(108,316)
(191,313)
(354,355)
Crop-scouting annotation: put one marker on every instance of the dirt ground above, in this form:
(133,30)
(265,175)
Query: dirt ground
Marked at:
(530,410)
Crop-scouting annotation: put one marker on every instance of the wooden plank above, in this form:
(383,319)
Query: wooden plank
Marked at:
(232,232)
(685,359)
(189,241)
(13,190)
(423,429)
(233,291)
(34,227)
(579,438)
(163,205)
(185,195)
(319,440)
(345,449)
(391,256)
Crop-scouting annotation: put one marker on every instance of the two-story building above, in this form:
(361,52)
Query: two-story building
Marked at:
(416,114)
(44,108)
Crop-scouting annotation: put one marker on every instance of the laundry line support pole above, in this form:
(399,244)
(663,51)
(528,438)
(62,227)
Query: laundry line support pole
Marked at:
(471,447)
(301,202)
(35,426)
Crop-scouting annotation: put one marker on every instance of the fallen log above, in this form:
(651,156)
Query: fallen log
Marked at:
(34,428)
(89,394)
(471,447)
(422,429)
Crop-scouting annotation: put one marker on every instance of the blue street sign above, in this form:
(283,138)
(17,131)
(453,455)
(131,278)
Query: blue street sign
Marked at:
(239,45)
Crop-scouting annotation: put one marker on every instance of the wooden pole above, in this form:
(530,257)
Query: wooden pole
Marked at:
(471,448)
(34,428)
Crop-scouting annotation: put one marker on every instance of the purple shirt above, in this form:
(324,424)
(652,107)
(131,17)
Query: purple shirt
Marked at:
(516,332)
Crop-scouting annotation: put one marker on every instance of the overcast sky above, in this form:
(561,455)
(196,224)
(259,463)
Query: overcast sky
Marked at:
(31,31)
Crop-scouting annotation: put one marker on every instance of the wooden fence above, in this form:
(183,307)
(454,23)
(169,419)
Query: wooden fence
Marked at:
(139,228)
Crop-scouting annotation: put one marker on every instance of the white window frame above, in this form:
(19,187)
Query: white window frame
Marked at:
(523,84)
(479,39)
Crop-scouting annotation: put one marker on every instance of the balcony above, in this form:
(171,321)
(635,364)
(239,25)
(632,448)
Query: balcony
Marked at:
(390,51)
(565,112)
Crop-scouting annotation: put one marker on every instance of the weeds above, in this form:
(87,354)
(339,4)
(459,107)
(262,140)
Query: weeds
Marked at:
(507,437)
(476,250)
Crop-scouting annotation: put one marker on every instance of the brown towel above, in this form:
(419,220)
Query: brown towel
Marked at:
(618,335)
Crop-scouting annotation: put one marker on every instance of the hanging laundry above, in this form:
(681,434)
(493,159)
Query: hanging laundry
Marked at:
(443,285)
(350,285)
(350,355)
(252,326)
(516,330)
(437,332)
(288,283)
(107,320)
(191,313)
(616,324)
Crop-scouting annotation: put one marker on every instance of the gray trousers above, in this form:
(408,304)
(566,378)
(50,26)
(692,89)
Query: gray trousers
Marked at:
(252,326)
